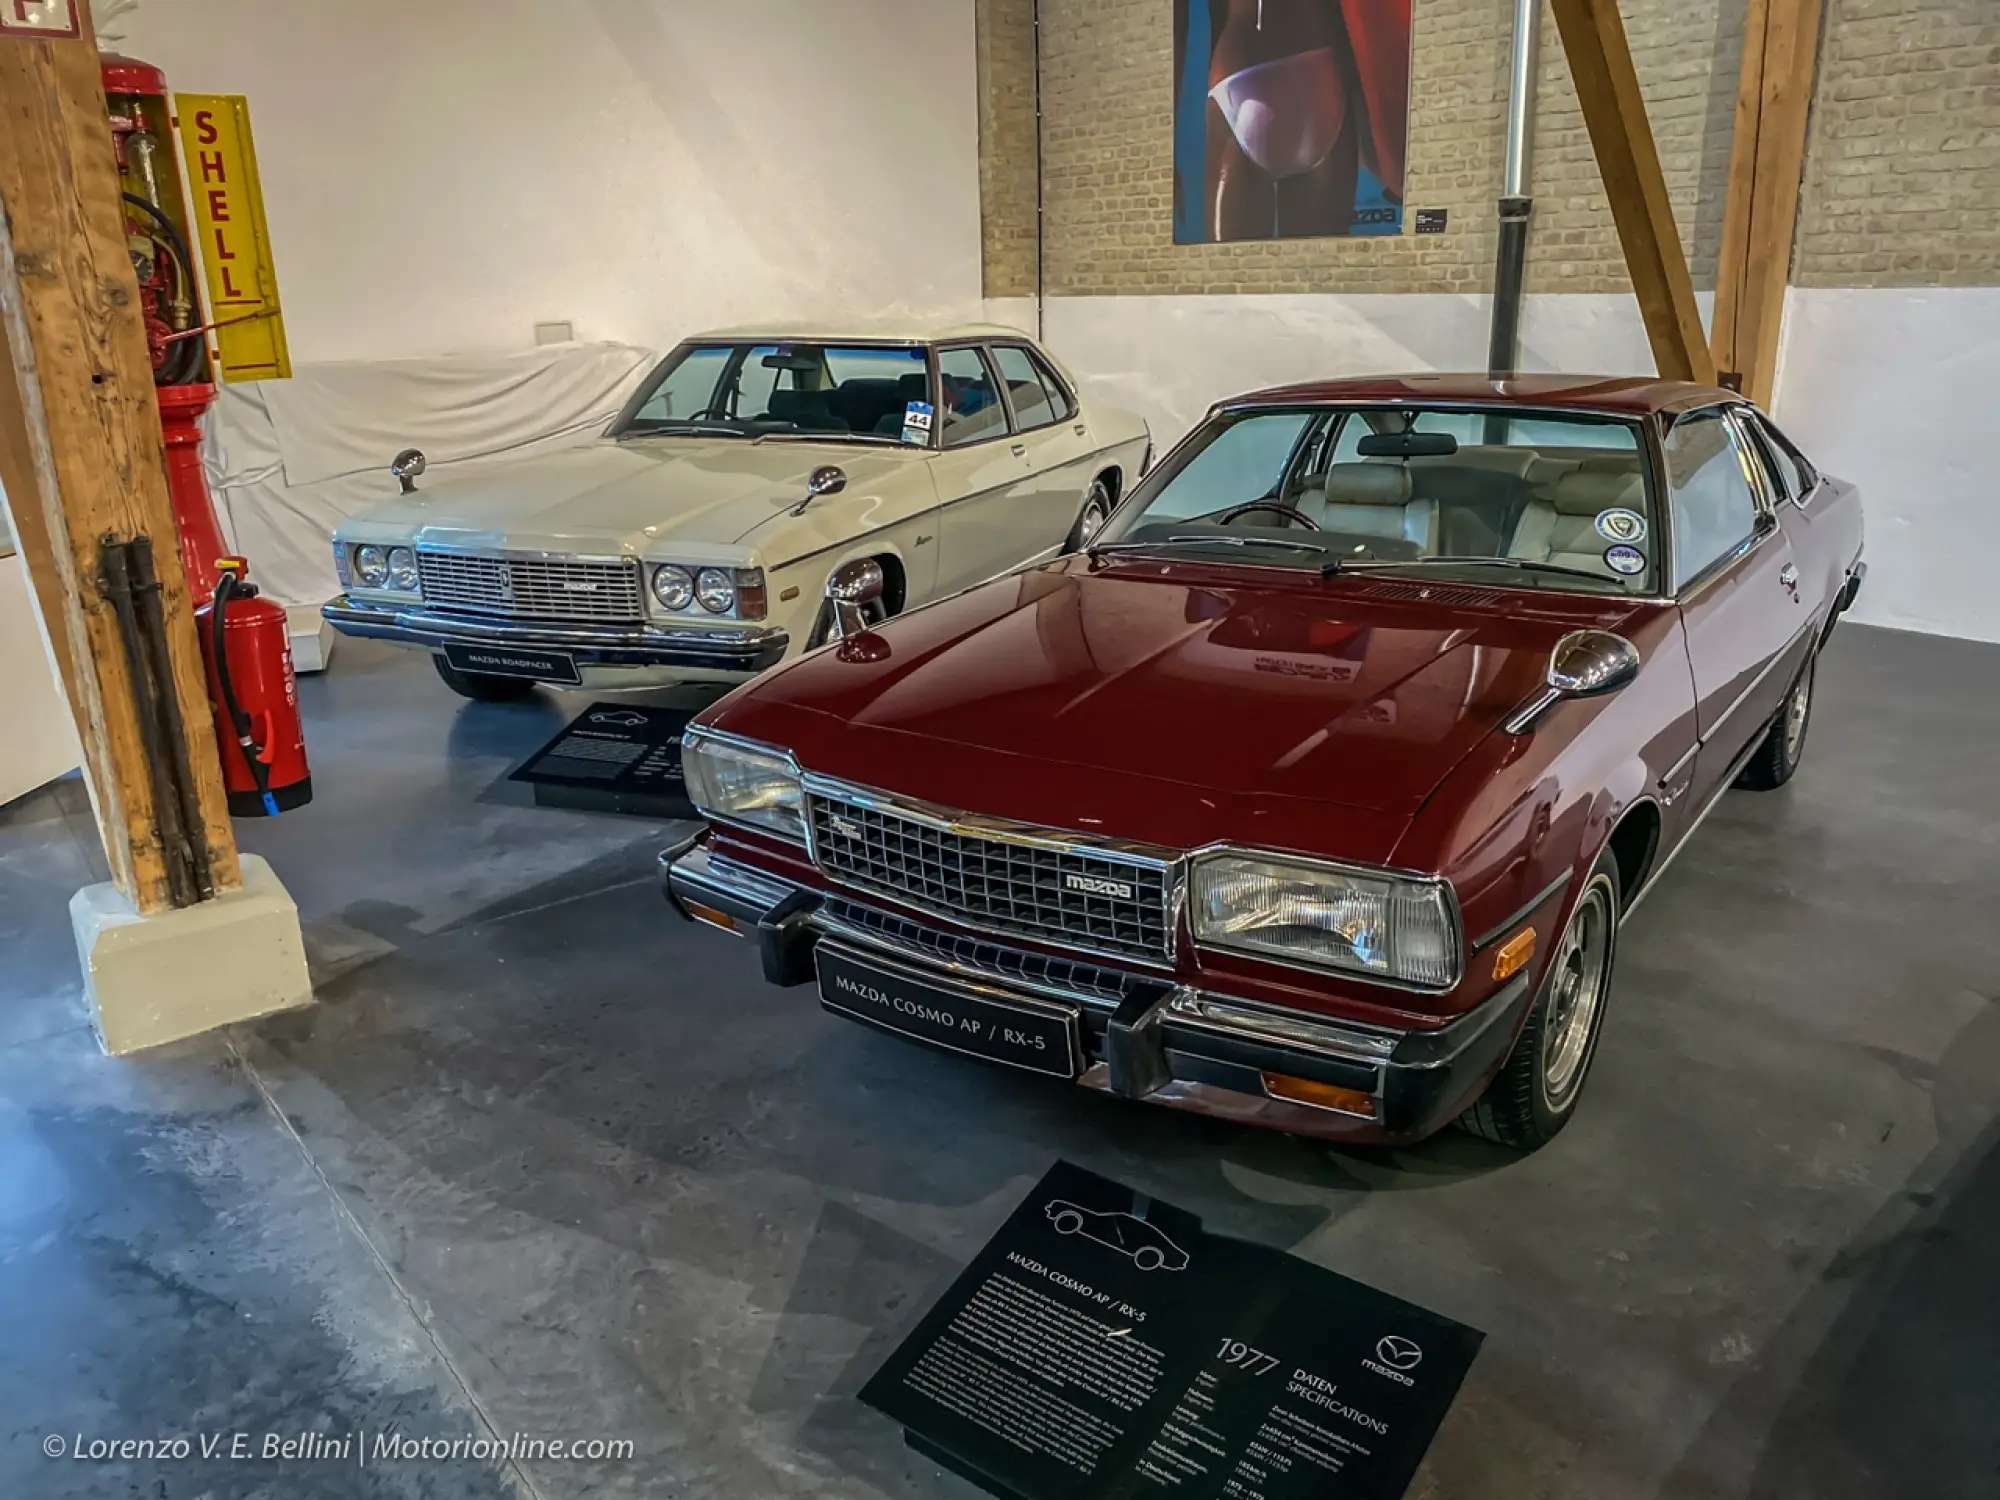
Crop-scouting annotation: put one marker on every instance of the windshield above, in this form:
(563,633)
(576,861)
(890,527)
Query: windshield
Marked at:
(1547,499)
(865,393)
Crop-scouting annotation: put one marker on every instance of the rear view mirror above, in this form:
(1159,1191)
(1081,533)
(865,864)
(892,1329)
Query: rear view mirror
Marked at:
(404,469)
(1407,445)
(1584,664)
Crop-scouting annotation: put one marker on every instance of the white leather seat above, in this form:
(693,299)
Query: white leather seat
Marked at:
(1371,499)
(1562,528)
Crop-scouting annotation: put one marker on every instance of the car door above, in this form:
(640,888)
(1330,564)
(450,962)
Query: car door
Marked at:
(982,472)
(1060,451)
(1736,582)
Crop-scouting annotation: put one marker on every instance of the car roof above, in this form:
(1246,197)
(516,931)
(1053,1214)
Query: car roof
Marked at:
(861,330)
(1622,395)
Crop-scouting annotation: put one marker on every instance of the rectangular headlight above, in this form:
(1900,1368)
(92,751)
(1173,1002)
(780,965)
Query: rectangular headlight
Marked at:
(743,784)
(1385,926)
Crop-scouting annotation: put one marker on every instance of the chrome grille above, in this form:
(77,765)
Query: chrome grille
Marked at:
(996,883)
(1066,974)
(531,588)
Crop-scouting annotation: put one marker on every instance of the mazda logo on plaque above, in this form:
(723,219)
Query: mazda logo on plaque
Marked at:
(1399,1353)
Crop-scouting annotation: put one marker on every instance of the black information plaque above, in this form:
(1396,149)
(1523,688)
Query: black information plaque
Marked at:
(1432,220)
(614,757)
(1103,1346)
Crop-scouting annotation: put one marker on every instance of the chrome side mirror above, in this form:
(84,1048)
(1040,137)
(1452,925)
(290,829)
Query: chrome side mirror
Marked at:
(405,468)
(827,479)
(1584,664)
(850,589)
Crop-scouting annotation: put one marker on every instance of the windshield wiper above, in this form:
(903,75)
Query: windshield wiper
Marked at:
(1159,543)
(827,437)
(682,428)
(1527,564)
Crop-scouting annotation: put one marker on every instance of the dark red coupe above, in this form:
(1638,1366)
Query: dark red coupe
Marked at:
(1313,793)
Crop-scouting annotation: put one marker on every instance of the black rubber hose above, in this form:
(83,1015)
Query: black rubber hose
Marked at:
(225,590)
(185,359)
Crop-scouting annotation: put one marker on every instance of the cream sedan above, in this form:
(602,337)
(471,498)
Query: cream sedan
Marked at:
(694,540)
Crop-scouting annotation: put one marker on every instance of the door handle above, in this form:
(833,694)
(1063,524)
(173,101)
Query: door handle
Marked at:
(1788,575)
(1081,430)
(1019,449)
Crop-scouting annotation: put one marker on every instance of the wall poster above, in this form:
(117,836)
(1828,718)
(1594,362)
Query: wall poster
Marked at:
(1290,118)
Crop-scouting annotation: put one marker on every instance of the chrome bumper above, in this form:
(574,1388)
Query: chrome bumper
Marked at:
(725,648)
(1148,1038)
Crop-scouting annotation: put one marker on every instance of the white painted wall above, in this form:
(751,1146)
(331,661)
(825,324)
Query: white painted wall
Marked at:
(1899,390)
(440,176)
(39,742)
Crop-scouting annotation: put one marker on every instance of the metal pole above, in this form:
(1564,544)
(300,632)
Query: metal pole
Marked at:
(1516,202)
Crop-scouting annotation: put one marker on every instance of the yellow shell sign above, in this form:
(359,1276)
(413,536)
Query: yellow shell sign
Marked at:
(230,236)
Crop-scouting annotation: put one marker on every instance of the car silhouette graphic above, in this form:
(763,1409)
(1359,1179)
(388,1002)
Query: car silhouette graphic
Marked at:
(1149,1248)
(621,716)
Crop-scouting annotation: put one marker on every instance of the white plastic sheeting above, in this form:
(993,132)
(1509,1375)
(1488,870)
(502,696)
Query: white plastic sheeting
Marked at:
(1899,390)
(288,460)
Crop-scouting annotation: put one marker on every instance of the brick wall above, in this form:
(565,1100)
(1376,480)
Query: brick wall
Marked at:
(1902,183)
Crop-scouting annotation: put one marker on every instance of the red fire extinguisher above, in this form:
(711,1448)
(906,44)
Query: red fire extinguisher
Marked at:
(248,652)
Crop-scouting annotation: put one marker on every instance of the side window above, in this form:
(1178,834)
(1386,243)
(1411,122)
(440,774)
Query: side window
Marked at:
(1799,476)
(1032,407)
(1244,460)
(1714,506)
(1776,482)
(688,389)
(972,409)
(1059,398)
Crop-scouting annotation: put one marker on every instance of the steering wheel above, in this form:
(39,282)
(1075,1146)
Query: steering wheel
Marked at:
(1277,507)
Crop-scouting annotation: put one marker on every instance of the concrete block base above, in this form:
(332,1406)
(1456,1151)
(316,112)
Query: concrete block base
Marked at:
(312,638)
(155,979)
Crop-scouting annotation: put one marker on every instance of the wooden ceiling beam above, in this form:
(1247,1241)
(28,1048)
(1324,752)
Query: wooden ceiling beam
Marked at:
(1614,112)
(1760,213)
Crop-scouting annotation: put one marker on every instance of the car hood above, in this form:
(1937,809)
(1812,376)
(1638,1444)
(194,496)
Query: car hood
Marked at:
(629,496)
(1236,683)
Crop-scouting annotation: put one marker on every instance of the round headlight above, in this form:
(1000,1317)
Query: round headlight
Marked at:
(403,569)
(672,587)
(716,590)
(371,566)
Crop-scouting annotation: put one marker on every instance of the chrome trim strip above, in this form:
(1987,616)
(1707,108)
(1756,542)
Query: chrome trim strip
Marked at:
(343,612)
(517,554)
(1680,765)
(1653,879)
(1523,718)
(1758,681)
(847,932)
(1001,830)
(1533,904)
(1201,1010)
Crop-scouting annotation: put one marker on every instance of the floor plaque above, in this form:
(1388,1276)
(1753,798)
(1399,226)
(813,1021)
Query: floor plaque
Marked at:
(614,757)
(1102,1346)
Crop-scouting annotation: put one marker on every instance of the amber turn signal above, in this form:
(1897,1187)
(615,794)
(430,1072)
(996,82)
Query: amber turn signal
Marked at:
(709,915)
(1320,1095)
(1515,952)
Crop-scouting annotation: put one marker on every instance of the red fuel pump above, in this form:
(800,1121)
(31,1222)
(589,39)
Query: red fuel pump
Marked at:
(248,652)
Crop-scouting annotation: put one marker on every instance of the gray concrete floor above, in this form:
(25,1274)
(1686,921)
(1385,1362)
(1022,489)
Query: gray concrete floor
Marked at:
(545,1161)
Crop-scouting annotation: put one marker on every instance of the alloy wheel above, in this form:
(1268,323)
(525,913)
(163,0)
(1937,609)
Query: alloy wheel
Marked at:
(1579,976)
(1798,708)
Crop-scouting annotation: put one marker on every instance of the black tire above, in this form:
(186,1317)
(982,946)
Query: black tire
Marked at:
(482,687)
(1091,518)
(1784,743)
(1534,1094)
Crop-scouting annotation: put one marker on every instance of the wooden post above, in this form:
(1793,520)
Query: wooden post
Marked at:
(1607,86)
(1766,158)
(80,447)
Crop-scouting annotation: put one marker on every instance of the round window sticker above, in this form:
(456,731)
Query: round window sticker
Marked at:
(1626,560)
(1621,525)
